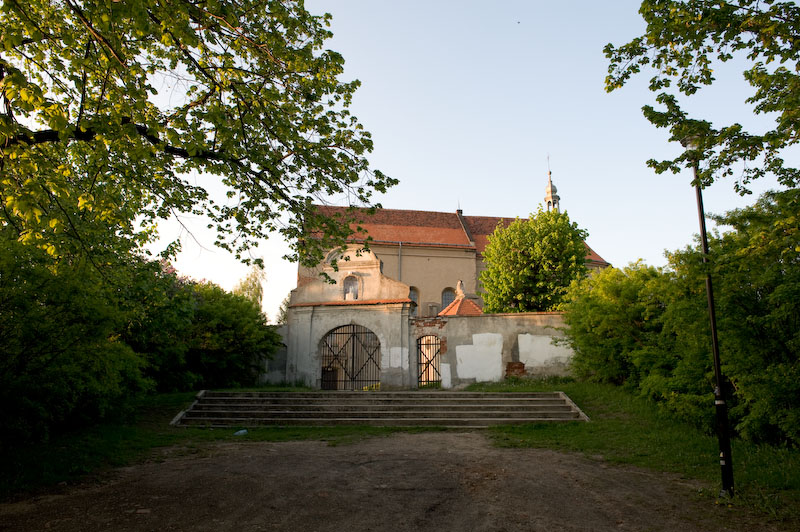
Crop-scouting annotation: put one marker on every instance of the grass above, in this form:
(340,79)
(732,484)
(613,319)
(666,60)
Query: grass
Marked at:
(626,429)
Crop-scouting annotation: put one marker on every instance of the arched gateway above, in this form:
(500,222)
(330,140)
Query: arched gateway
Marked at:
(351,357)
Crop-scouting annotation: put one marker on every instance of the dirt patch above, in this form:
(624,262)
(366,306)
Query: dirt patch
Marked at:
(437,481)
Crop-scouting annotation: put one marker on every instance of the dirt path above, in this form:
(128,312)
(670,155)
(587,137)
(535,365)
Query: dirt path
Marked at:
(432,481)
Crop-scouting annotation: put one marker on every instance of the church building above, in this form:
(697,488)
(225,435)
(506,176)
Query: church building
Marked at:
(407,313)
(430,252)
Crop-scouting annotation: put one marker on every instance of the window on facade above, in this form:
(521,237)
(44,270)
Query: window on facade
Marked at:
(448,295)
(350,288)
(413,295)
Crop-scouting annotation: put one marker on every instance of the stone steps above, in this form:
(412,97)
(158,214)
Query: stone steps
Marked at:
(447,409)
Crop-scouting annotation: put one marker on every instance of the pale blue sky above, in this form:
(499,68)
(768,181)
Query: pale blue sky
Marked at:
(465,100)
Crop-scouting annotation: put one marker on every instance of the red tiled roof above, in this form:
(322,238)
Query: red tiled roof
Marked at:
(592,256)
(483,226)
(461,307)
(425,228)
(410,227)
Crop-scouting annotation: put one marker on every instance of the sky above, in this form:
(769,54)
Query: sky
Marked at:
(467,101)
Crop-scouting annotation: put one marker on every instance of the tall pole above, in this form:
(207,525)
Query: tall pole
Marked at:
(723,429)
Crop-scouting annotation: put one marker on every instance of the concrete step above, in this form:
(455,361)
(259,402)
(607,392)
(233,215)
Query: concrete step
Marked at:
(375,409)
(381,395)
(395,405)
(450,409)
(380,422)
(267,414)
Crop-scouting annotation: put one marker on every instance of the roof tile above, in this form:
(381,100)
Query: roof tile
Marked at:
(426,228)
(461,307)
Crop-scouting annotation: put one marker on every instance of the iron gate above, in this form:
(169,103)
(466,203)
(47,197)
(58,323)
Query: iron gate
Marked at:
(428,348)
(351,359)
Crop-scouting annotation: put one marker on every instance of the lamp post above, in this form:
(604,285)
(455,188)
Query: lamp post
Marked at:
(723,429)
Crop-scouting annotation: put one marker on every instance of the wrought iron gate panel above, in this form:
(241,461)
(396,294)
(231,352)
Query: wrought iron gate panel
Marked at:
(351,359)
(428,349)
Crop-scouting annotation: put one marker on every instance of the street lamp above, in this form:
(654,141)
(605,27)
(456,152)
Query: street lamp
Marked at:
(723,429)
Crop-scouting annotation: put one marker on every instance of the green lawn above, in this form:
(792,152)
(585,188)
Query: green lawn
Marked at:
(623,429)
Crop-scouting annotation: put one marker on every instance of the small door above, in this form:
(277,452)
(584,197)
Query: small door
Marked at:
(428,349)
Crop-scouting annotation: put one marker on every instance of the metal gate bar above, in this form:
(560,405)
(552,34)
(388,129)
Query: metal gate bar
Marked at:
(350,359)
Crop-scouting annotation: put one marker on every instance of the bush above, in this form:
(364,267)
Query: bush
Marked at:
(61,361)
(77,343)
(229,339)
(649,329)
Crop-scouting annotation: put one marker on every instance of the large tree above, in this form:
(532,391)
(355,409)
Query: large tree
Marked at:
(683,42)
(114,115)
(530,263)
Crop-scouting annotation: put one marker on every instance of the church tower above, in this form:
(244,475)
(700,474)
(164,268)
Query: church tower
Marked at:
(551,199)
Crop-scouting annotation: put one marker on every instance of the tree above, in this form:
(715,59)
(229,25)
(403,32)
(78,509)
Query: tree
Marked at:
(531,263)
(612,317)
(230,339)
(161,309)
(124,113)
(252,286)
(682,41)
(283,311)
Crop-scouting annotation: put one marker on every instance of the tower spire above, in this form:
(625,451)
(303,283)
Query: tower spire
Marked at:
(551,198)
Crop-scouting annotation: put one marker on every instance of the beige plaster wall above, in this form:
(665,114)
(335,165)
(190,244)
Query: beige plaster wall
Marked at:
(317,307)
(473,348)
(430,270)
(362,265)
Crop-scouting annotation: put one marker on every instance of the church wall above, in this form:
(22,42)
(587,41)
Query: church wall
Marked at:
(364,267)
(308,325)
(275,368)
(478,348)
(430,270)
(473,348)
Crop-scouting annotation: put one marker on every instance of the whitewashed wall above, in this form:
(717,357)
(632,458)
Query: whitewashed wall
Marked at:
(478,348)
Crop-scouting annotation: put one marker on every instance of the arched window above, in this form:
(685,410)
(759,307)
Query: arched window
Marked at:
(448,295)
(413,295)
(350,288)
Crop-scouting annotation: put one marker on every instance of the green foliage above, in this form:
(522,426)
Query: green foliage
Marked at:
(682,42)
(650,328)
(229,341)
(531,262)
(759,272)
(107,107)
(161,311)
(617,316)
(77,346)
(61,360)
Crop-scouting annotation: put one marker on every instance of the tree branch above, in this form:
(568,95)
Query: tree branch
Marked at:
(97,35)
(87,134)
